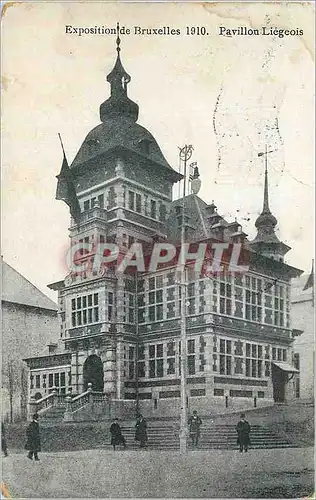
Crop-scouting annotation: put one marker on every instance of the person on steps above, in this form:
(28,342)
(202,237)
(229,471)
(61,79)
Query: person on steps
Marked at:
(243,433)
(195,423)
(116,434)
(141,431)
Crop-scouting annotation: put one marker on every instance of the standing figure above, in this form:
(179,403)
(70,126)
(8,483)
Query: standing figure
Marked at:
(243,432)
(33,443)
(141,431)
(194,428)
(3,441)
(116,434)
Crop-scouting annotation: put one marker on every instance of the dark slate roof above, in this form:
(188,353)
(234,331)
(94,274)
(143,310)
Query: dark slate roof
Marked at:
(123,133)
(17,289)
(199,226)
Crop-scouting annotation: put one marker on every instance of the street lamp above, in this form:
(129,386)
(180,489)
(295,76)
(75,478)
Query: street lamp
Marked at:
(185,154)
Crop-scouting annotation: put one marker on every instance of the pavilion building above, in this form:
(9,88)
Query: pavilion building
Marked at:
(121,332)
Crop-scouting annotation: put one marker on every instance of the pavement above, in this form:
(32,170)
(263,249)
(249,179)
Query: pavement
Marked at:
(274,473)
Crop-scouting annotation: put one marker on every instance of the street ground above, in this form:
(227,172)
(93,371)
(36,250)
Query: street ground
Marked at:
(274,473)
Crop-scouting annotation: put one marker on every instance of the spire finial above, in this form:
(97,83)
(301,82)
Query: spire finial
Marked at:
(266,207)
(118,40)
(118,105)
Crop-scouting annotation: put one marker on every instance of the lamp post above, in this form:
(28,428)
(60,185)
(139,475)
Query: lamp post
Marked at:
(185,154)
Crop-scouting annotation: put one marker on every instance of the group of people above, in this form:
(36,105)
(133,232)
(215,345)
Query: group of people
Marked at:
(195,422)
(140,433)
(33,442)
(242,428)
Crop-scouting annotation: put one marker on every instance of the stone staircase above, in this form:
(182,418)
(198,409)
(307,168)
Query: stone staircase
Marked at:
(53,415)
(213,436)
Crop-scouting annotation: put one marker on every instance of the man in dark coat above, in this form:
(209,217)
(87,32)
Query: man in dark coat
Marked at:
(3,441)
(194,428)
(116,434)
(141,431)
(33,443)
(243,432)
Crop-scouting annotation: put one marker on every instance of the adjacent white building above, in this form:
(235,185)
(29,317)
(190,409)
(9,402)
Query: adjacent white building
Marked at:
(304,345)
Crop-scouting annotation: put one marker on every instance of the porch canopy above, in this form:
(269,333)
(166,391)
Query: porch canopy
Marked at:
(285,367)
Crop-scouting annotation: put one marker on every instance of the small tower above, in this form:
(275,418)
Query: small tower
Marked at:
(266,242)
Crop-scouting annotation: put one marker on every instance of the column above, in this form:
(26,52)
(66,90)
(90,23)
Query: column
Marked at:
(208,368)
(109,368)
(119,368)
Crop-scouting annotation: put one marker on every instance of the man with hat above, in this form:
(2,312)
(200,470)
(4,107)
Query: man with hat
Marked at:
(243,432)
(33,443)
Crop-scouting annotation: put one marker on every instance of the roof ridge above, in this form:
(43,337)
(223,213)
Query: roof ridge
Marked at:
(50,302)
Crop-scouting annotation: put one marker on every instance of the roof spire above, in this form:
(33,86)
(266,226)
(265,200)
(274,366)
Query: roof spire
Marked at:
(118,40)
(118,104)
(266,220)
(266,241)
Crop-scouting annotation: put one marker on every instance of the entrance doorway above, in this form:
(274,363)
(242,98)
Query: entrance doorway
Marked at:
(93,373)
(279,379)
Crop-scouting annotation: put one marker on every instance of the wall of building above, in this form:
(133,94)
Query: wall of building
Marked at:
(304,345)
(26,331)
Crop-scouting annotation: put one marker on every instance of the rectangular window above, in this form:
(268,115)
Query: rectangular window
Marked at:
(247,367)
(63,379)
(225,303)
(253,299)
(85,310)
(191,365)
(38,381)
(56,379)
(191,346)
(141,369)
(240,394)
(86,205)
(50,380)
(138,203)
(159,367)
(171,366)
(110,306)
(131,200)
(101,200)
(153,209)
(171,348)
(162,213)
(152,368)
(238,366)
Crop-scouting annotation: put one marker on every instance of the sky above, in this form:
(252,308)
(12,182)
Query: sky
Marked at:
(227,96)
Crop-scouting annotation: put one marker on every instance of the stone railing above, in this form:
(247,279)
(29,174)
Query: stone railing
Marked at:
(43,404)
(78,402)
